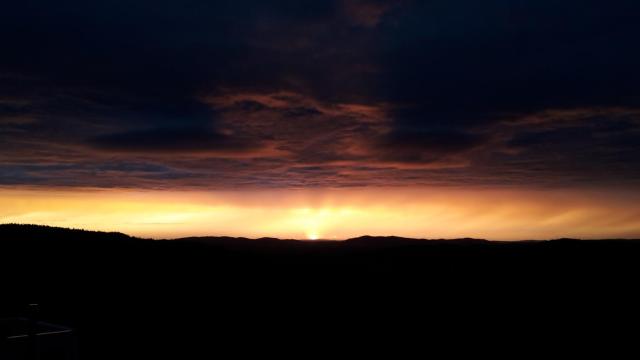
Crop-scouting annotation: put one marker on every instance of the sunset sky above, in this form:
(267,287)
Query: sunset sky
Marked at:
(330,119)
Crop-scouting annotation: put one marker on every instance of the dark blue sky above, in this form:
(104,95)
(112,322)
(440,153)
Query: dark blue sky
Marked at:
(282,94)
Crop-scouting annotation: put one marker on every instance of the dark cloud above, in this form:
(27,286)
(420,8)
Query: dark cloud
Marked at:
(337,93)
(408,145)
(470,64)
(173,140)
(368,13)
(587,145)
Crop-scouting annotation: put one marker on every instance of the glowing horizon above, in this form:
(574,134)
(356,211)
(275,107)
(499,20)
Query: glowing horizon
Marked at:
(383,116)
(495,214)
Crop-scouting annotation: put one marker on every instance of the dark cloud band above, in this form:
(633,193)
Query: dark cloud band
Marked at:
(324,93)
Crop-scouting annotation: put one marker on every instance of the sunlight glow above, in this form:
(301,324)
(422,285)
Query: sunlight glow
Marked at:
(335,214)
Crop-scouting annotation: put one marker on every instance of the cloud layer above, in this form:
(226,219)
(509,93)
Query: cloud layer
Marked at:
(288,94)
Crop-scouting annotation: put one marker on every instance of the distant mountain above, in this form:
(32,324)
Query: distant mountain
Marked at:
(378,241)
(27,231)
(206,296)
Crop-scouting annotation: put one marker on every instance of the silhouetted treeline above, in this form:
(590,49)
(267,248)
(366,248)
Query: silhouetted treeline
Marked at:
(202,297)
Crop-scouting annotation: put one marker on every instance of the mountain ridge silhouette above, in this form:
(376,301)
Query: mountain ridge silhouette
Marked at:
(191,298)
(26,229)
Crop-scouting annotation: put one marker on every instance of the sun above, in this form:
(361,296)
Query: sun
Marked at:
(313,235)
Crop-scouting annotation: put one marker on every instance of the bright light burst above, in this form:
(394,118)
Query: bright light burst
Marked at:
(312,235)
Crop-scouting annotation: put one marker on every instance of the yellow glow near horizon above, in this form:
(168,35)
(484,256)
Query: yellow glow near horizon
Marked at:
(312,235)
(333,214)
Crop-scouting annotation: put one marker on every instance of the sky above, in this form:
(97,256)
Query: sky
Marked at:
(322,119)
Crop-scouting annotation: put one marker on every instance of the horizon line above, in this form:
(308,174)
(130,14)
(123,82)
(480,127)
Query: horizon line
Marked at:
(309,240)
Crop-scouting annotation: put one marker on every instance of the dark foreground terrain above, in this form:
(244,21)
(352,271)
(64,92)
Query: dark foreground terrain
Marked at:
(229,298)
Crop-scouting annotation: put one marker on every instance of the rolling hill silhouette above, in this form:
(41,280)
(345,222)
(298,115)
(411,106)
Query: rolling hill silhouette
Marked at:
(201,297)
